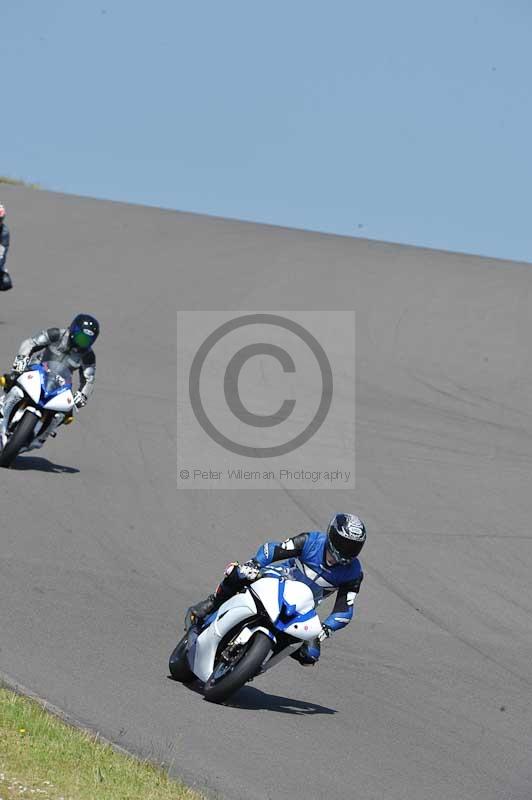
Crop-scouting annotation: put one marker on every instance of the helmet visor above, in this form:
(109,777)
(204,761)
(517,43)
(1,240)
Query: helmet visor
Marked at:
(335,556)
(81,340)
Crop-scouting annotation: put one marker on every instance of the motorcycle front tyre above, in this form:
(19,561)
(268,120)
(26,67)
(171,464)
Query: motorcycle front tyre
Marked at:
(218,690)
(20,438)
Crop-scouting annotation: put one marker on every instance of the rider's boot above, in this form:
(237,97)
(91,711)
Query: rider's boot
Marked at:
(308,654)
(201,610)
(232,583)
(227,588)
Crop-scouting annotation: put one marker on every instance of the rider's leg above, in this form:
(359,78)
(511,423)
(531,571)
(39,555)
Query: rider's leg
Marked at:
(7,382)
(229,586)
(10,400)
(57,420)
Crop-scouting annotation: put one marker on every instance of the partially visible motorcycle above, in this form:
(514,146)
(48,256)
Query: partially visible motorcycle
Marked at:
(41,391)
(5,281)
(249,634)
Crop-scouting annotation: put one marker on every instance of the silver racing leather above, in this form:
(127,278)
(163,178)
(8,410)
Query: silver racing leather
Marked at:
(52,345)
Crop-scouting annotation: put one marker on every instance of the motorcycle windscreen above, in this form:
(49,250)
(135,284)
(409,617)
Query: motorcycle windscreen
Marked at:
(56,379)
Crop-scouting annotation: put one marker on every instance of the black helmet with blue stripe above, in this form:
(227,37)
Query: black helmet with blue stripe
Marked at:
(346,535)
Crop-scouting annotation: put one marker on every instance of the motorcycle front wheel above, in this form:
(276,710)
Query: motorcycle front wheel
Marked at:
(228,677)
(22,436)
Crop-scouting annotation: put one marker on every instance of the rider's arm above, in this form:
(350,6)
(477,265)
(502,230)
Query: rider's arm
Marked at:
(4,246)
(39,341)
(87,375)
(342,612)
(237,575)
(279,551)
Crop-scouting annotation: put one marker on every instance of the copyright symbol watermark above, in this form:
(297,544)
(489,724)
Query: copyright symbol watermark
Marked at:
(258,388)
(231,385)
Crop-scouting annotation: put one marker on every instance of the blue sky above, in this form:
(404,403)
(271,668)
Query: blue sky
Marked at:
(407,122)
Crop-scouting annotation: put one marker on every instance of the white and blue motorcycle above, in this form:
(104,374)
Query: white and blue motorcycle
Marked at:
(40,392)
(249,634)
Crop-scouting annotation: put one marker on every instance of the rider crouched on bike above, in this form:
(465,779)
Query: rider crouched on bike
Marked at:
(326,562)
(71,346)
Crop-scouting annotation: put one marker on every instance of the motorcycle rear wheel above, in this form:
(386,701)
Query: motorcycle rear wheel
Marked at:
(19,439)
(217,690)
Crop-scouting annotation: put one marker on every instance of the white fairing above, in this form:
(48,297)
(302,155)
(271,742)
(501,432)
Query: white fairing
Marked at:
(31,383)
(62,402)
(272,593)
(231,613)
(267,590)
(306,630)
(297,594)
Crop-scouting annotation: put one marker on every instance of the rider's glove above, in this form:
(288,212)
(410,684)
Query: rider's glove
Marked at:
(20,363)
(324,633)
(80,400)
(237,574)
(248,571)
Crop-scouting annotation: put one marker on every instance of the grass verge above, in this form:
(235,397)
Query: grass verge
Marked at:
(43,757)
(16,182)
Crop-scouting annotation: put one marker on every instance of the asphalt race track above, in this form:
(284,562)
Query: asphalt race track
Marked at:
(428,694)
